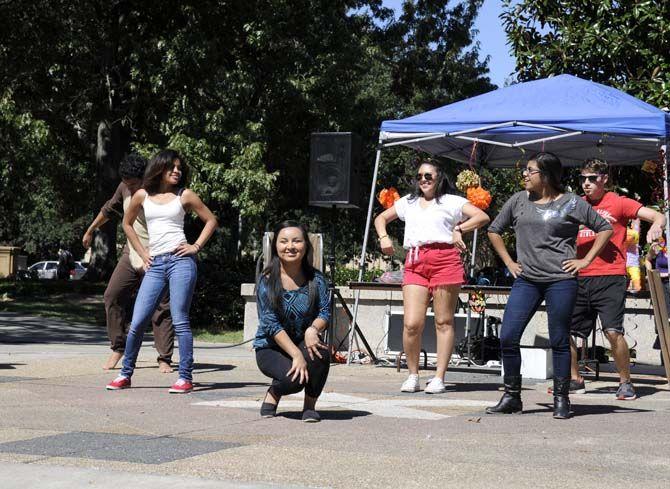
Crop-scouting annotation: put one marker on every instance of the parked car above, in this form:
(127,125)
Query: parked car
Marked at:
(79,271)
(47,270)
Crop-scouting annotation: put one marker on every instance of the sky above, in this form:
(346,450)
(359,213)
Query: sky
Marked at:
(491,39)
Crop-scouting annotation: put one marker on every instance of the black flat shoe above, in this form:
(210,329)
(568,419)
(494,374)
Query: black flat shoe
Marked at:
(268,410)
(310,416)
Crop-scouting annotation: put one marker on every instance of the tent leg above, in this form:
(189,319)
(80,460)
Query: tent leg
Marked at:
(665,193)
(468,317)
(361,266)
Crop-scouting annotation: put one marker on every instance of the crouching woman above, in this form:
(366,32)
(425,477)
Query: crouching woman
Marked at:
(293,311)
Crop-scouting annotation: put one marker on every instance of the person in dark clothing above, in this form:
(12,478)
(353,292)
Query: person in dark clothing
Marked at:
(65,267)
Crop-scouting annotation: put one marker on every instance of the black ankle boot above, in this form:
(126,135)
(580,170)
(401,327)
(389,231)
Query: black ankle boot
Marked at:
(561,397)
(510,403)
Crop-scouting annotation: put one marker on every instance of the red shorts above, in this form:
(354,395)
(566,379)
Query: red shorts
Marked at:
(433,265)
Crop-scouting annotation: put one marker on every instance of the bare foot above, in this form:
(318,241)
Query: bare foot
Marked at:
(164,367)
(112,360)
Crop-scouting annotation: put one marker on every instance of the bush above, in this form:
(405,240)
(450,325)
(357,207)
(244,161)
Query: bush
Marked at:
(217,303)
(345,275)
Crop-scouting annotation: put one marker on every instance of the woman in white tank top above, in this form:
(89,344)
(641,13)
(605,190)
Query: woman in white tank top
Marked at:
(169,260)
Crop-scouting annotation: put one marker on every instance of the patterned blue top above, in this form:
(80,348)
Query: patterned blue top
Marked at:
(296,312)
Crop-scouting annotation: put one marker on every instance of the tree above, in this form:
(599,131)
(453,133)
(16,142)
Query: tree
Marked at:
(624,44)
(102,74)
(237,86)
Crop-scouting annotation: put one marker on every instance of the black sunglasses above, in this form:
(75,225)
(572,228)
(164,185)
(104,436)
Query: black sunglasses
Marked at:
(428,177)
(590,178)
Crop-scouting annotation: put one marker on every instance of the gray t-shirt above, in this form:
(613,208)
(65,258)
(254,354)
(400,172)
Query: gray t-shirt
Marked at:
(546,233)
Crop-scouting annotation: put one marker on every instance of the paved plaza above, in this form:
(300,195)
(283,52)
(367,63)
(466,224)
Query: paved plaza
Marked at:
(60,428)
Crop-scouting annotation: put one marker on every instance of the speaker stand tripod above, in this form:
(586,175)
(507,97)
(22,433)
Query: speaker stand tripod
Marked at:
(334,293)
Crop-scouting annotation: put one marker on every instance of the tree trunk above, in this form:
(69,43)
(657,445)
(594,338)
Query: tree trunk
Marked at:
(112,143)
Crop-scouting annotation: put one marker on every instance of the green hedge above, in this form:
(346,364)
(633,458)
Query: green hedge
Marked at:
(217,303)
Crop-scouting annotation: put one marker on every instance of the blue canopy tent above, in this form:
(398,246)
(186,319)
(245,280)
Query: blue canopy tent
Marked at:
(566,115)
(573,118)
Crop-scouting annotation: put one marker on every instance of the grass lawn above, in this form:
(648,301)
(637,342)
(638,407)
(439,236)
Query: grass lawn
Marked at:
(222,337)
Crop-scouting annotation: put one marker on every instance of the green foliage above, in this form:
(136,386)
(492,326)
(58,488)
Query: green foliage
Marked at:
(40,189)
(344,275)
(237,86)
(621,44)
(625,44)
(217,304)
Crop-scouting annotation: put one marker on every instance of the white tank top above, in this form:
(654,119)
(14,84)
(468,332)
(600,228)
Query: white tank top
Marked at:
(165,223)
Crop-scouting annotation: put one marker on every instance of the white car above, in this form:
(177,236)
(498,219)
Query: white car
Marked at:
(48,270)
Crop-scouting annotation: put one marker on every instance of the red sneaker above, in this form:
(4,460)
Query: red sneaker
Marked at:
(181,387)
(119,383)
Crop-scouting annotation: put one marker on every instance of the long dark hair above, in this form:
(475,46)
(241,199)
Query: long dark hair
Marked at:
(550,169)
(440,179)
(272,273)
(160,163)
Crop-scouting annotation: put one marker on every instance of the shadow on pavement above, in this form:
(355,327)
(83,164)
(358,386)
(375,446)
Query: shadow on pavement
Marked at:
(18,328)
(21,329)
(9,366)
(204,368)
(590,409)
(472,387)
(213,386)
(336,414)
(640,390)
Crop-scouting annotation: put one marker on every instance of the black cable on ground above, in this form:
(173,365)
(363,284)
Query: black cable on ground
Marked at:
(230,346)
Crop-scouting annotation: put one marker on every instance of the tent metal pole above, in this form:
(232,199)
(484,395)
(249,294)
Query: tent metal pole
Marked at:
(665,193)
(486,141)
(468,318)
(415,140)
(548,138)
(361,266)
(540,126)
(482,128)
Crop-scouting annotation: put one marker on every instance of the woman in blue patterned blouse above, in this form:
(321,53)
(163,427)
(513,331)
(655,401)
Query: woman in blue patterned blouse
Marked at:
(293,310)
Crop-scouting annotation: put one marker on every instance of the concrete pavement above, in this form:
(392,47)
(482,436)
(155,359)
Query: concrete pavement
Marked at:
(60,428)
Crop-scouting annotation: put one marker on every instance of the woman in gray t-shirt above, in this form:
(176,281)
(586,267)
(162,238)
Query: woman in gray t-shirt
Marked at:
(546,222)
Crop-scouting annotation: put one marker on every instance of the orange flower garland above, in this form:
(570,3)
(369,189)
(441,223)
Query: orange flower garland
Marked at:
(479,197)
(387,197)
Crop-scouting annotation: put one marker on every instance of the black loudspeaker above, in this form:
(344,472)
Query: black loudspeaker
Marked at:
(334,169)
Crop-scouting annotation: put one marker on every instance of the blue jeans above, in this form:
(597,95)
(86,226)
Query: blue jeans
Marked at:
(179,274)
(524,299)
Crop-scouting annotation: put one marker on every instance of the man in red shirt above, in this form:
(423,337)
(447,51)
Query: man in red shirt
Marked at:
(602,284)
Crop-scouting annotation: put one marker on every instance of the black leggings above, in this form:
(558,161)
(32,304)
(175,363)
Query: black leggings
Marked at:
(275,363)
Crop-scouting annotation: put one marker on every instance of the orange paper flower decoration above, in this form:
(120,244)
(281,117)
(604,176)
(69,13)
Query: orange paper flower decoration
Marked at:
(479,197)
(387,197)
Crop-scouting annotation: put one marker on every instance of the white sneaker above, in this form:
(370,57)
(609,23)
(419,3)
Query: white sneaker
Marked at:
(435,386)
(411,384)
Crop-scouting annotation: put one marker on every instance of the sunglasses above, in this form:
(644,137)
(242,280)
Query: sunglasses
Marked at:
(531,171)
(590,178)
(428,177)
